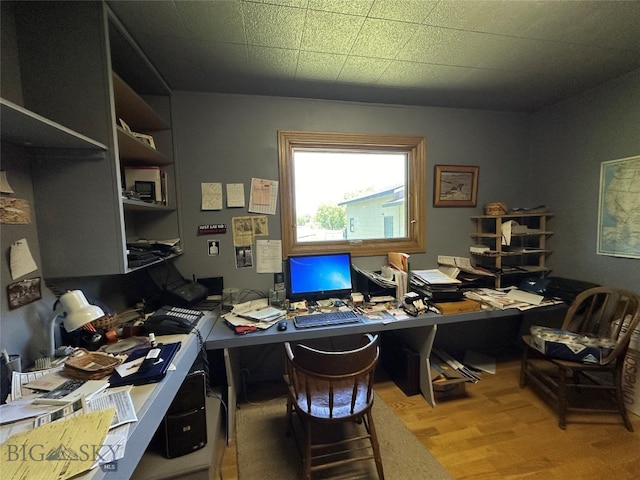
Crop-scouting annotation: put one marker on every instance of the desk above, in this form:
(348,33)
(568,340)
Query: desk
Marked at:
(419,333)
(152,401)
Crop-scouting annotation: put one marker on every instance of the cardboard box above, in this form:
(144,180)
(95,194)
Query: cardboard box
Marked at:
(631,375)
(447,383)
(462,306)
(448,389)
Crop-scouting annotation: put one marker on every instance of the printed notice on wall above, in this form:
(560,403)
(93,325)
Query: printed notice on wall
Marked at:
(20,259)
(264,196)
(268,256)
(211,196)
(235,195)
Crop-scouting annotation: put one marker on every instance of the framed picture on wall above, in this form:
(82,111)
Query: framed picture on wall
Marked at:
(455,186)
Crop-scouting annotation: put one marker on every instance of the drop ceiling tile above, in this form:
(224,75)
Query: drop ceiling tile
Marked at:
(330,32)
(362,70)
(319,66)
(284,3)
(594,27)
(348,7)
(444,46)
(273,26)
(224,57)
(402,10)
(499,17)
(178,61)
(382,38)
(213,21)
(419,75)
(272,62)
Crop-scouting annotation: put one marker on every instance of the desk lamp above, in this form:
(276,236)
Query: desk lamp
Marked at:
(79,312)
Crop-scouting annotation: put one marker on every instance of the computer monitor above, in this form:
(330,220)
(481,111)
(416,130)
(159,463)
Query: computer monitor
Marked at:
(318,277)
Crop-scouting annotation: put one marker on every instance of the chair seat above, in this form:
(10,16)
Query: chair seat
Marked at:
(585,387)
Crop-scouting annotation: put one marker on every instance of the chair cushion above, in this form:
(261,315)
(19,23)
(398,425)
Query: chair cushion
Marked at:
(566,345)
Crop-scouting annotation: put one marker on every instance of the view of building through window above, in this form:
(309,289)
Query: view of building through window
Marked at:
(351,192)
(349,195)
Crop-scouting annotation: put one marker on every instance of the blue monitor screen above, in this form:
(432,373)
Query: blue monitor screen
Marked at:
(316,277)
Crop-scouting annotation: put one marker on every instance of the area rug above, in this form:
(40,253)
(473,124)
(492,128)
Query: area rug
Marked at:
(266,452)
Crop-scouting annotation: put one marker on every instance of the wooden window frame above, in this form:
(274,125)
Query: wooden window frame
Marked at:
(415,193)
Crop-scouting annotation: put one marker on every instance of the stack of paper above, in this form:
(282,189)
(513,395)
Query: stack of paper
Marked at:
(255,312)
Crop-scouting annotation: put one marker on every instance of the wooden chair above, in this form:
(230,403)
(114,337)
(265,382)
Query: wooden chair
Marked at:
(572,386)
(328,388)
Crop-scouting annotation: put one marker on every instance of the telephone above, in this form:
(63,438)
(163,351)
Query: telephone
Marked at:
(171,320)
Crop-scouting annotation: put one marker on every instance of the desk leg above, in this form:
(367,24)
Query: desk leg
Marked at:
(421,340)
(232,367)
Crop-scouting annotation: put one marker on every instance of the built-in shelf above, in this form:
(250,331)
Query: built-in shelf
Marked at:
(134,110)
(133,150)
(26,128)
(139,205)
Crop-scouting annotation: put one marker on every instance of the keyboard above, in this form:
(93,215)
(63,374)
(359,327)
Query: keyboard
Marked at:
(326,319)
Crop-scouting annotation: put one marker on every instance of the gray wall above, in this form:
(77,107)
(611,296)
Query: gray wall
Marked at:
(552,157)
(230,139)
(568,143)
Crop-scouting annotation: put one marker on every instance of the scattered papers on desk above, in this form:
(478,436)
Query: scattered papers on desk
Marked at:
(45,380)
(257,313)
(120,400)
(64,444)
(22,409)
(509,298)
(265,314)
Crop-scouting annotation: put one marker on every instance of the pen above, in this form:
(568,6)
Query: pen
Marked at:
(5,355)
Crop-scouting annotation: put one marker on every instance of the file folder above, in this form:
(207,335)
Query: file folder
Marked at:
(154,374)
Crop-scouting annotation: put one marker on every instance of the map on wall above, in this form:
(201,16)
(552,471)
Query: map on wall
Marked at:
(619,210)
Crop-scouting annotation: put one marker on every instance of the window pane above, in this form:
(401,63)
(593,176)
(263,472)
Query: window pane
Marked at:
(349,195)
(361,193)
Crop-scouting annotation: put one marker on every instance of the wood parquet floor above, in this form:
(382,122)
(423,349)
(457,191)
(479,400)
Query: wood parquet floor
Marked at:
(500,431)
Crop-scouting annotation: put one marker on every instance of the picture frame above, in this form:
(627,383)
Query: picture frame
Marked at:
(455,186)
(24,292)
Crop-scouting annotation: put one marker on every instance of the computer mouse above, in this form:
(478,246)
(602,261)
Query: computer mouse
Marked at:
(282,326)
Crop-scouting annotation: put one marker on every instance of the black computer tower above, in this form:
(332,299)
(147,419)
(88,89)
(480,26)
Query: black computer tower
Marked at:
(401,363)
(184,427)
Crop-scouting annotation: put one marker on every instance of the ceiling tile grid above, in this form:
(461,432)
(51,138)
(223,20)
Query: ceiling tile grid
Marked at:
(520,54)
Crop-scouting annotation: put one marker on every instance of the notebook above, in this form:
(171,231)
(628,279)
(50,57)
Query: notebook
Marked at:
(154,374)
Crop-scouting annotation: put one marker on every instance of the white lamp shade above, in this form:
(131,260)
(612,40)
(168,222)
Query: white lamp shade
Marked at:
(79,310)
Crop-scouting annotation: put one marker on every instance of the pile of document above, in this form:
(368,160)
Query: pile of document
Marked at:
(254,313)
(87,415)
(436,285)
